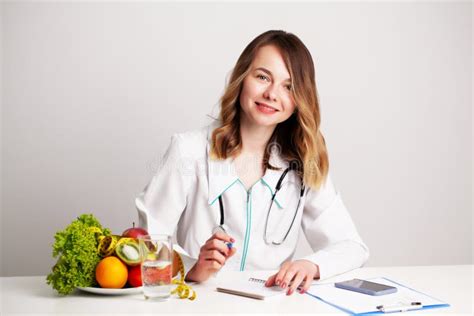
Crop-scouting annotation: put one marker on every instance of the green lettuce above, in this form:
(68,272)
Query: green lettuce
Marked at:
(76,249)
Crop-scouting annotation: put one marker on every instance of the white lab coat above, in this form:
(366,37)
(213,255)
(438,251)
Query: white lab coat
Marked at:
(182,199)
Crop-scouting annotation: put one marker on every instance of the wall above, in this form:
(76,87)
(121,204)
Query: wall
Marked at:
(93,92)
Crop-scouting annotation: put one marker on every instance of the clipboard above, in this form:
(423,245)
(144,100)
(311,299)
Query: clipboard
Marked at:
(353,303)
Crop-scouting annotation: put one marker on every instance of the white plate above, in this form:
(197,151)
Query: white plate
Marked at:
(102,291)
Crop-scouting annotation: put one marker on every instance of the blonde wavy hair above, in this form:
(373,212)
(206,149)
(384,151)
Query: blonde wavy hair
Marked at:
(299,138)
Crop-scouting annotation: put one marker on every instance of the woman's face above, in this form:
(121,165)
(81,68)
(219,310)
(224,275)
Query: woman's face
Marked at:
(266,97)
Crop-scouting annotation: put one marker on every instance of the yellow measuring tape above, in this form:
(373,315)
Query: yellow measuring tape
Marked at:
(183,290)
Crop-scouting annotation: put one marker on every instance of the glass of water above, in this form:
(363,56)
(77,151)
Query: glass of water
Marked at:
(156,252)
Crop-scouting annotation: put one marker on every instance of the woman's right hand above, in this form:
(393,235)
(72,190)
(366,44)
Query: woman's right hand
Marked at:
(212,257)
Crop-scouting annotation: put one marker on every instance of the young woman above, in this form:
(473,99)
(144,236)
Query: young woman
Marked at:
(255,176)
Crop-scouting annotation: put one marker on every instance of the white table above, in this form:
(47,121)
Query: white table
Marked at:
(31,295)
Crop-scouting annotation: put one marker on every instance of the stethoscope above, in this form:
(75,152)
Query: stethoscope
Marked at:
(223,228)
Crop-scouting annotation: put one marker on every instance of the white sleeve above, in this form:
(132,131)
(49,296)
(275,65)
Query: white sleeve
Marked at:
(331,233)
(164,199)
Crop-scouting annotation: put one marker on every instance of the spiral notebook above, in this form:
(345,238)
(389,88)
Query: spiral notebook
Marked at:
(253,288)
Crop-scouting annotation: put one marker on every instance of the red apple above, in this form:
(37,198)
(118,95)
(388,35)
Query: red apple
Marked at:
(134,232)
(135,276)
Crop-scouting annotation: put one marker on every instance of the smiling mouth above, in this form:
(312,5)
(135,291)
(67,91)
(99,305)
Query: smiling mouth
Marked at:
(265,106)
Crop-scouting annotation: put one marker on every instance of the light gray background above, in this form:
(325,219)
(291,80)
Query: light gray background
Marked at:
(93,92)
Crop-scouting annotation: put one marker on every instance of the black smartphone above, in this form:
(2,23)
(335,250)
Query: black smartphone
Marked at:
(366,287)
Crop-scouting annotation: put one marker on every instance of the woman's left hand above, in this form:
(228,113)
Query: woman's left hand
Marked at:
(292,274)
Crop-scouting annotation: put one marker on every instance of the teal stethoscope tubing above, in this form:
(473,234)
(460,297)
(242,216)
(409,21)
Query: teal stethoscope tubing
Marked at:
(277,188)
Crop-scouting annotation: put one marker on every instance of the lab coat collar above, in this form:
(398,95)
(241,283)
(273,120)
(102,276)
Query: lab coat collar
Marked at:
(222,173)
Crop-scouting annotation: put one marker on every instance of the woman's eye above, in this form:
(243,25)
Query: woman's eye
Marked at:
(266,78)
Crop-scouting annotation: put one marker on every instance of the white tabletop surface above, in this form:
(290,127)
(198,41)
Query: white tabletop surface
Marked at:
(31,295)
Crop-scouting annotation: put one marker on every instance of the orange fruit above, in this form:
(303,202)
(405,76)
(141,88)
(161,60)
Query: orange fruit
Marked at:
(111,273)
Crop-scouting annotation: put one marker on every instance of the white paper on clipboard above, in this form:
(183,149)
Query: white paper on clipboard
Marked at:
(358,303)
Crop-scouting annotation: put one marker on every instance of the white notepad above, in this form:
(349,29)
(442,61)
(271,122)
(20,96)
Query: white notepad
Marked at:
(253,288)
(357,303)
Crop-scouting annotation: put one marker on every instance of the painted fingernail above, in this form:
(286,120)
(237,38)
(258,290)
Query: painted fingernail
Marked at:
(232,239)
(290,291)
(283,285)
(277,282)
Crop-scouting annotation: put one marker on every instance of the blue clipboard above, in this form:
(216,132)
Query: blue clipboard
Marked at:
(333,301)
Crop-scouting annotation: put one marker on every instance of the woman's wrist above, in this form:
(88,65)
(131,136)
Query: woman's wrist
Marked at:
(317,276)
(311,265)
(190,275)
(195,275)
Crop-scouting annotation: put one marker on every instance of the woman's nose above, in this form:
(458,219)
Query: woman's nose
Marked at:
(270,93)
